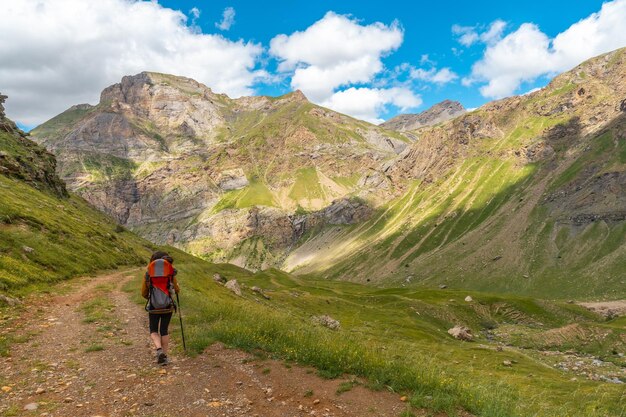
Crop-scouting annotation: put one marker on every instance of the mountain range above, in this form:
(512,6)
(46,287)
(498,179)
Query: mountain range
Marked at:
(524,194)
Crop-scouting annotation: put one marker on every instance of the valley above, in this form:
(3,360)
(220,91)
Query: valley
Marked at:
(356,250)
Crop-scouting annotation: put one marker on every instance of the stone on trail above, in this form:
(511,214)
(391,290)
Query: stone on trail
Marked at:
(469,299)
(233,285)
(461,333)
(31,407)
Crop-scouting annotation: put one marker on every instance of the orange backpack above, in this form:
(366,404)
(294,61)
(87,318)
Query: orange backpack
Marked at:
(159,282)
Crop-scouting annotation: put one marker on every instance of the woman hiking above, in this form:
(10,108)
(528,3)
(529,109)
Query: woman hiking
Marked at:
(157,287)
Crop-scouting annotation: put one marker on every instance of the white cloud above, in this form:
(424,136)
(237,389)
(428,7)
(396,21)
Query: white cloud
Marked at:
(442,76)
(528,53)
(368,103)
(228,19)
(333,52)
(469,35)
(425,59)
(338,52)
(61,52)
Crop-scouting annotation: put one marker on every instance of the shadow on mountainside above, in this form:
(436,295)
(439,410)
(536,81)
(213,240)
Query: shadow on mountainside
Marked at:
(561,220)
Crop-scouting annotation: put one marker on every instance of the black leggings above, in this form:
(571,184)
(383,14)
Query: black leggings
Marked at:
(165,322)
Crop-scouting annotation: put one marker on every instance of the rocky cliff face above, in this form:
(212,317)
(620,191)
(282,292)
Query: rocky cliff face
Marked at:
(23,159)
(438,113)
(179,164)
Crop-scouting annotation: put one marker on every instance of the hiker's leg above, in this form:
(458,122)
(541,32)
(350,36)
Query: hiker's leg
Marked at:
(165,337)
(154,330)
(157,340)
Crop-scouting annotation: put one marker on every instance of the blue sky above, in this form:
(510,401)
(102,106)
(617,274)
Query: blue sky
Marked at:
(372,60)
(427,29)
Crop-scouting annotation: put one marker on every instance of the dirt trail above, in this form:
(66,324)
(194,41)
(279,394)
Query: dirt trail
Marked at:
(67,367)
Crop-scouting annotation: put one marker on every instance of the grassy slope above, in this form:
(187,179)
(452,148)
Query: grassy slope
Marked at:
(397,339)
(68,236)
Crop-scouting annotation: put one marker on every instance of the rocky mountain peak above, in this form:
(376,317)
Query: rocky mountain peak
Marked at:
(298,95)
(440,112)
(79,107)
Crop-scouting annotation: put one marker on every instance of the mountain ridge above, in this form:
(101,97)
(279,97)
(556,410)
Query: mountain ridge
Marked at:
(165,148)
(438,113)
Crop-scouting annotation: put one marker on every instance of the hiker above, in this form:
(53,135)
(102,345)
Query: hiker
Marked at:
(158,284)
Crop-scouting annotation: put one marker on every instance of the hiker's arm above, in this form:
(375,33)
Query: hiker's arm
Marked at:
(144,289)
(175,284)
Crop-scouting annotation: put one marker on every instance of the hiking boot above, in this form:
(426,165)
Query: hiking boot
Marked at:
(166,361)
(161,356)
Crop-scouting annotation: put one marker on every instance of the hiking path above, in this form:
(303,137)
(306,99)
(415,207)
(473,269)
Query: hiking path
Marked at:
(84,350)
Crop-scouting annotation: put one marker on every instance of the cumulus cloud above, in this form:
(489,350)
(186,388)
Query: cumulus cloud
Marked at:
(61,52)
(335,51)
(368,103)
(528,53)
(228,19)
(339,52)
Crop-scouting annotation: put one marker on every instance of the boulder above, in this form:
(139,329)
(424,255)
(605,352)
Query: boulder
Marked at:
(469,299)
(461,333)
(233,285)
(327,321)
(219,278)
(9,300)
(260,291)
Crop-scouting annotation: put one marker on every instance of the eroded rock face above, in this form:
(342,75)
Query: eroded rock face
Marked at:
(233,179)
(179,164)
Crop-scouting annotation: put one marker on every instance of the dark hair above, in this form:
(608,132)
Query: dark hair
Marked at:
(158,255)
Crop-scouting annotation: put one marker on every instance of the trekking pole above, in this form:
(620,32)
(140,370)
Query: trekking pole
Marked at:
(180,316)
